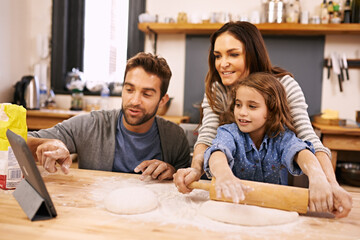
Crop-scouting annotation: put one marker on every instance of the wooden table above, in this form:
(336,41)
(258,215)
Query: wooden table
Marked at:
(338,138)
(78,197)
(47,118)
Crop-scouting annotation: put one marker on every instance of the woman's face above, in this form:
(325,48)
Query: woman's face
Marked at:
(229,55)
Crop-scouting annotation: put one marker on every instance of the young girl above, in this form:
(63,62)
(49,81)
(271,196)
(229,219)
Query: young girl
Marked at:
(261,142)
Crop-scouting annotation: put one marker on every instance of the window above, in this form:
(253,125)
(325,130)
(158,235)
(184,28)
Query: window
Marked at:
(105,40)
(74,20)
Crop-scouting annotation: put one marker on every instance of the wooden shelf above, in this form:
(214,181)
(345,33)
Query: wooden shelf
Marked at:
(265,28)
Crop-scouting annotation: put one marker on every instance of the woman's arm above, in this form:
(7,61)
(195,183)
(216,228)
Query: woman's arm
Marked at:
(207,132)
(342,199)
(184,176)
(321,198)
(305,131)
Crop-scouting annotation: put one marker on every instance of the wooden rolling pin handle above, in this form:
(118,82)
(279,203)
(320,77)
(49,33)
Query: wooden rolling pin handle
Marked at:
(200,185)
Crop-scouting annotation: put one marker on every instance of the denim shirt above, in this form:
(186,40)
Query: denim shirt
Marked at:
(266,164)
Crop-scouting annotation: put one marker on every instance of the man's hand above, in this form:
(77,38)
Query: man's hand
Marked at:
(156,169)
(51,152)
(184,176)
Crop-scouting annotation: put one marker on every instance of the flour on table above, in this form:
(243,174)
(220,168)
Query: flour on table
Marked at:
(131,200)
(246,215)
(175,208)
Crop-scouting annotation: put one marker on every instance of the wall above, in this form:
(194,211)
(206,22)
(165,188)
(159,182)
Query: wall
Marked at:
(14,45)
(172,47)
(21,21)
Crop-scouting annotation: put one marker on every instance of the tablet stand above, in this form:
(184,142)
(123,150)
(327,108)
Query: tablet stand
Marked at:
(31,202)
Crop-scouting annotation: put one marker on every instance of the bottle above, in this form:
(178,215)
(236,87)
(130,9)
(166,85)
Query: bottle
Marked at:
(324,13)
(77,100)
(347,12)
(330,8)
(355,11)
(105,94)
(336,14)
(43,95)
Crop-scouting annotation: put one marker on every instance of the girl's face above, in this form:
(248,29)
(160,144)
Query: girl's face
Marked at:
(229,59)
(250,112)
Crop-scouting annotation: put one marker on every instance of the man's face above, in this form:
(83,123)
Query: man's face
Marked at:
(140,99)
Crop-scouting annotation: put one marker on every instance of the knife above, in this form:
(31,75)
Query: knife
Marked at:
(345,63)
(336,68)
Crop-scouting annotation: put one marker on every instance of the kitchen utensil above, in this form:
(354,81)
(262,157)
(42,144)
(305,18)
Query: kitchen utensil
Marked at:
(274,11)
(328,65)
(27,92)
(336,68)
(265,195)
(350,173)
(345,64)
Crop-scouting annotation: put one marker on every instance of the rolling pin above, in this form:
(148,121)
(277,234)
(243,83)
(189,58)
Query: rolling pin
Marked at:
(265,195)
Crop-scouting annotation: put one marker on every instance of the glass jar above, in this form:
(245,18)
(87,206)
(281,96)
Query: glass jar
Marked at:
(77,100)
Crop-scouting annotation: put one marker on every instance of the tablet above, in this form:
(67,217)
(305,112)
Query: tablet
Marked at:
(29,169)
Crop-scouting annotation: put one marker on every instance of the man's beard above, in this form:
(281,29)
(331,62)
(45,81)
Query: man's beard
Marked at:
(138,121)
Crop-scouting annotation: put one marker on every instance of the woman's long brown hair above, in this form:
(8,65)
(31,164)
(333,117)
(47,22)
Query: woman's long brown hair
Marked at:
(256,59)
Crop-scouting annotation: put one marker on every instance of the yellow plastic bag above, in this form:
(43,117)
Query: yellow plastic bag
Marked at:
(12,117)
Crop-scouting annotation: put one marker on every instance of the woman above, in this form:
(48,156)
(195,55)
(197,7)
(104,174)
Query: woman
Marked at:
(237,50)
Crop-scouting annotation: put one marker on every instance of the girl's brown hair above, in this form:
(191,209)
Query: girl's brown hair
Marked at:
(275,99)
(256,58)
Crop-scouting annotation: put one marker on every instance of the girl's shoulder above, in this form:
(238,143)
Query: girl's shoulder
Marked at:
(231,128)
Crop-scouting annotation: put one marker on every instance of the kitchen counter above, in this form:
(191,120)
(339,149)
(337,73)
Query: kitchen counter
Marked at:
(47,118)
(81,215)
(339,138)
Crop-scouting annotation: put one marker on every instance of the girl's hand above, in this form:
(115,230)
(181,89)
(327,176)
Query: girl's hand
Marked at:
(230,187)
(321,196)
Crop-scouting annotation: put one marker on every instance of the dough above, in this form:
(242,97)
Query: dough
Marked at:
(246,215)
(131,200)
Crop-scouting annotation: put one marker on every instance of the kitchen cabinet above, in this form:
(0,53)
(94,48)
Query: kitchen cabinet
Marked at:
(265,28)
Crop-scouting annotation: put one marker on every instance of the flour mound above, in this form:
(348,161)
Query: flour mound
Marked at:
(131,200)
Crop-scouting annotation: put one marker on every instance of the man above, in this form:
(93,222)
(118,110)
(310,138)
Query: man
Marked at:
(132,139)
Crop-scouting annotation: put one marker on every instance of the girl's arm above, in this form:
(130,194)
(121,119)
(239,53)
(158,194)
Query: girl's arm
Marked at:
(226,183)
(321,198)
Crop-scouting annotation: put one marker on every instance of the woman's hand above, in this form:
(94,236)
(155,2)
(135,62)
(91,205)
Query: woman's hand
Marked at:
(342,201)
(321,196)
(184,176)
